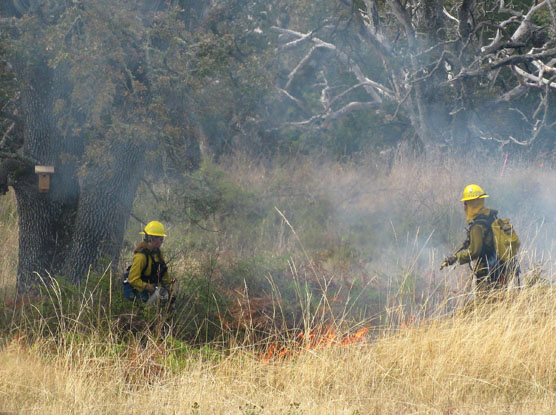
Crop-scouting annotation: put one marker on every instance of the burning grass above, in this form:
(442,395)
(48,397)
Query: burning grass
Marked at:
(495,357)
(312,340)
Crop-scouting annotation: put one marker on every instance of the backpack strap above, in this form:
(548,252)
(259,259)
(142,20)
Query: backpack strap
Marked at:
(485,220)
(147,255)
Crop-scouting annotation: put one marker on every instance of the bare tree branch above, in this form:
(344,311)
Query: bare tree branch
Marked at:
(6,134)
(301,64)
(436,60)
(294,99)
(512,61)
(387,91)
(526,26)
(297,42)
(516,59)
(401,14)
(325,93)
(536,81)
(334,115)
(344,58)
(351,107)
(373,29)
(514,93)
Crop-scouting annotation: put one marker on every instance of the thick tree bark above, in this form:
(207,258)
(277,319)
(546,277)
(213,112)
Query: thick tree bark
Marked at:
(107,194)
(37,213)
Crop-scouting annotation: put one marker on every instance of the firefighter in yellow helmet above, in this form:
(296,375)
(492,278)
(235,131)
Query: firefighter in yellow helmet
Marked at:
(479,245)
(148,273)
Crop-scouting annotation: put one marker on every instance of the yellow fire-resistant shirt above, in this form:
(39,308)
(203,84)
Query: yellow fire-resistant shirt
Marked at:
(143,256)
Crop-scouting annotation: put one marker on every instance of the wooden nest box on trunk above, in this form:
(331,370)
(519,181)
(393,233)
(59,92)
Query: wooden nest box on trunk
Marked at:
(44,173)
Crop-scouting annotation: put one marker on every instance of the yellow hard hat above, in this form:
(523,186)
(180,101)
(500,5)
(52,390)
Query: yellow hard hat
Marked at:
(154,228)
(472,192)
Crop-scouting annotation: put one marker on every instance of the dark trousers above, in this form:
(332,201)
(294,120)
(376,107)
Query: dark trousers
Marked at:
(132,294)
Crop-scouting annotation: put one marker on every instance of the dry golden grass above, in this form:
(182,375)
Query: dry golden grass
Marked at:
(496,357)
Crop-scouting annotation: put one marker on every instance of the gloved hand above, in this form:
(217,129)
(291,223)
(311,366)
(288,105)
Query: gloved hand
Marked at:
(449,261)
(164,293)
(160,294)
(149,287)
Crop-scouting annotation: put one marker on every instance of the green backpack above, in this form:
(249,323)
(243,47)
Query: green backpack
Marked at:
(506,240)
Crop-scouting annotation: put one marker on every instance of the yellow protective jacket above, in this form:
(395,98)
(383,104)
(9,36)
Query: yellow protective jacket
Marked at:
(143,260)
(480,244)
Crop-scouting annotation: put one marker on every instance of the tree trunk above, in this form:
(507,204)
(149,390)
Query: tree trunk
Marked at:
(38,213)
(79,221)
(104,207)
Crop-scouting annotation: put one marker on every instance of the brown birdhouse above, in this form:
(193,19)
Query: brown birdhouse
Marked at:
(44,173)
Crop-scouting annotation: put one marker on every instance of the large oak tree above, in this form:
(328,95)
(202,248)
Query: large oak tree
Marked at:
(111,93)
(81,103)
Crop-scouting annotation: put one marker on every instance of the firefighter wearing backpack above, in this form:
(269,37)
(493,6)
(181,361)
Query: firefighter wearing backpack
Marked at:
(491,242)
(148,272)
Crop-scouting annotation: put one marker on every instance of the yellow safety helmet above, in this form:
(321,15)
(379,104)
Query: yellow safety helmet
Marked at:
(154,228)
(472,192)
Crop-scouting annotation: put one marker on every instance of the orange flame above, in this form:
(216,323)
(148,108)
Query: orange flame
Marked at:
(313,339)
(275,351)
(410,323)
(357,337)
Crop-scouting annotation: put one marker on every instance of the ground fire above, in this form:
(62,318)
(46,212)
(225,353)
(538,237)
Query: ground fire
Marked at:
(313,339)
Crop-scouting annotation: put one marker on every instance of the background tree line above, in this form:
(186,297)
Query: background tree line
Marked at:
(112,93)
